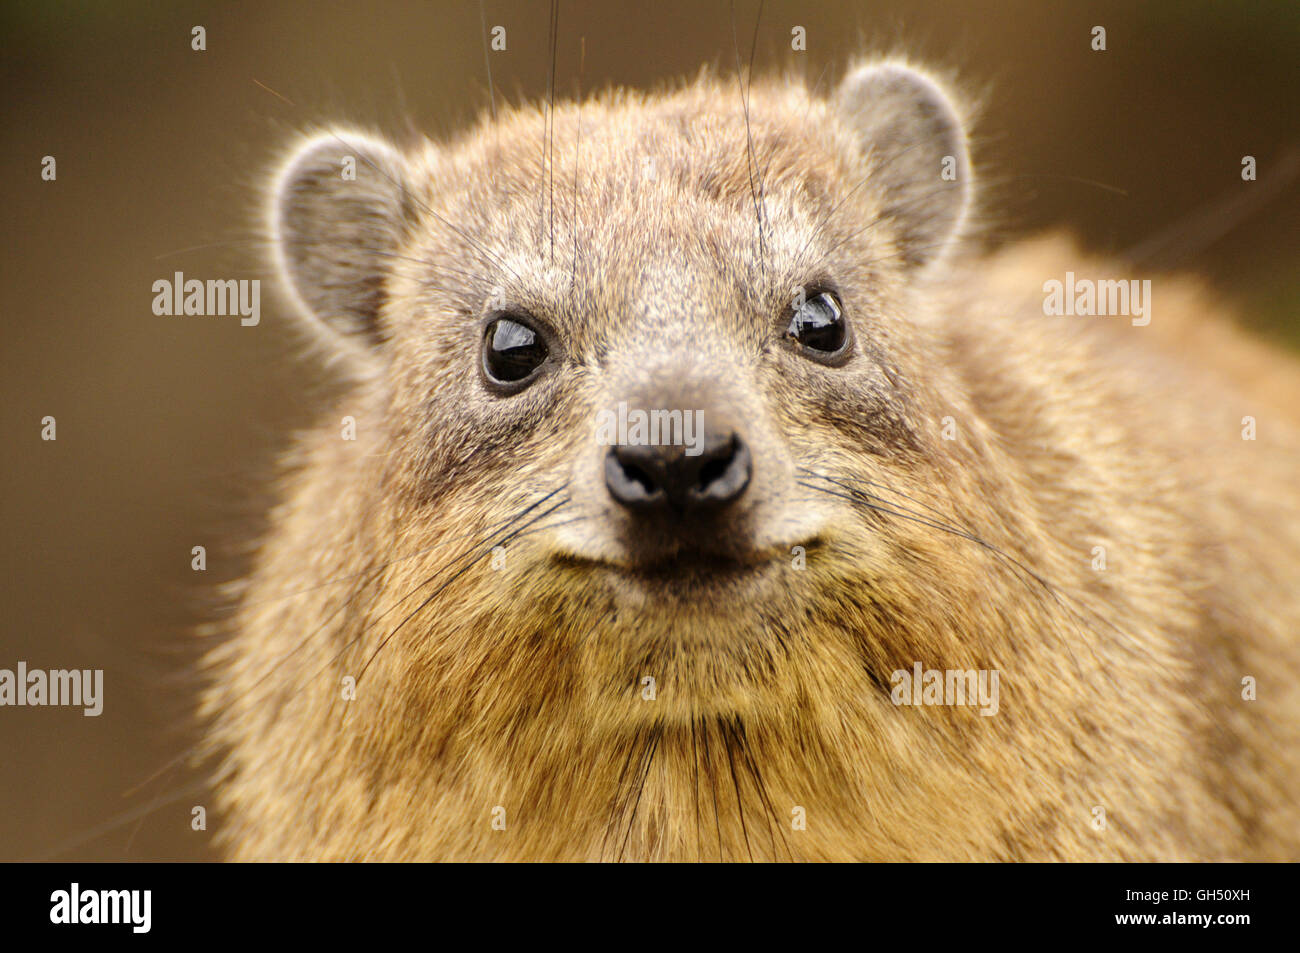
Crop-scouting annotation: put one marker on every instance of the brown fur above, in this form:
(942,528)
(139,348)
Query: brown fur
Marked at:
(520,687)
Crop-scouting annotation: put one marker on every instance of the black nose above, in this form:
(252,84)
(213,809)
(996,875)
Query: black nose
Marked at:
(655,477)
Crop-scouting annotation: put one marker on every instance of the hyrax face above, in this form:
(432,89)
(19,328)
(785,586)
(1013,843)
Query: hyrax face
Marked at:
(640,348)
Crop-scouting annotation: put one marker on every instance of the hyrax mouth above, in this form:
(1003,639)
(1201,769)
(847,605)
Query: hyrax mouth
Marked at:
(692,570)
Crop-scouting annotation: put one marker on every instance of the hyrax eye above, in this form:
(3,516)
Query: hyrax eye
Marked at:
(512,352)
(819,328)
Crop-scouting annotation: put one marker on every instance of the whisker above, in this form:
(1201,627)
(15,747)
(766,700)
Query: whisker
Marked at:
(550,83)
(467,560)
(372,575)
(749,135)
(380,567)
(550,526)
(577,164)
(1059,596)
(857,497)
(487,60)
(190,752)
(1055,591)
(460,572)
(119,821)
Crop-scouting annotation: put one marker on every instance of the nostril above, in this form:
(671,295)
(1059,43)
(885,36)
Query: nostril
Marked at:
(629,481)
(637,475)
(724,474)
(716,468)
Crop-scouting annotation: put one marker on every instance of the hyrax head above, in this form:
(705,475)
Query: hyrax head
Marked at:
(672,315)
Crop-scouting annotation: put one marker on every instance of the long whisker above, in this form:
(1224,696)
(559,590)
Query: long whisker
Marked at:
(577,164)
(861,499)
(546,527)
(1074,608)
(749,135)
(373,571)
(456,575)
(373,574)
(487,61)
(1056,592)
(121,820)
(501,529)
(550,134)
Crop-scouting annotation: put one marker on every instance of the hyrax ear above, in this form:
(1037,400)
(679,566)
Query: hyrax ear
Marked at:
(912,150)
(339,213)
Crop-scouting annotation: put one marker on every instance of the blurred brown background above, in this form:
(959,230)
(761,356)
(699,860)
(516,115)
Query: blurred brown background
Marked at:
(166,426)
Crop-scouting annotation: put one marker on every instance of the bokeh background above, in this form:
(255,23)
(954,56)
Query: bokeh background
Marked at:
(167,428)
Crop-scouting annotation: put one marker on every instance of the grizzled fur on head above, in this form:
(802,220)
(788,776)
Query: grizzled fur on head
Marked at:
(658,241)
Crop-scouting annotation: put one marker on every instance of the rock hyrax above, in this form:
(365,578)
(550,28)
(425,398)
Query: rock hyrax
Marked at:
(913,570)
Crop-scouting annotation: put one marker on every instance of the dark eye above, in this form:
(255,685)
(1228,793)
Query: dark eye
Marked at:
(819,327)
(512,351)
